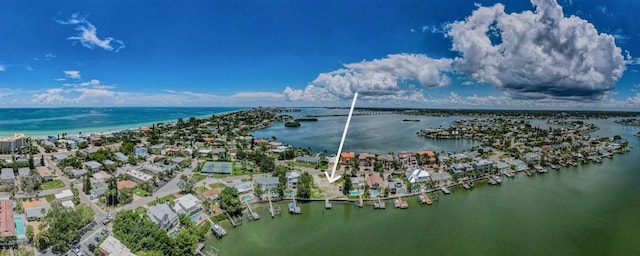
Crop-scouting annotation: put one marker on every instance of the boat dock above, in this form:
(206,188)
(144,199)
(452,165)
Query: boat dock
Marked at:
(360,201)
(445,190)
(273,211)
(466,185)
(217,230)
(379,204)
(402,204)
(252,215)
(491,181)
(508,174)
(234,222)
(327,204)
(425,199)
(293,208)
(527,172)
(497,179)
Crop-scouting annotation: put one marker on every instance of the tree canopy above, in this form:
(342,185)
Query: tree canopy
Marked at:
(229,201)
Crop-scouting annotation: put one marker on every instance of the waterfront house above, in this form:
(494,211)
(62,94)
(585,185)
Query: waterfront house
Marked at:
(112,246)
(358,182)
(243,187)
(64,195)
(266,182)
(417,176)
(307,159)
(482,165)
(366,159)
(187,204)
(7,177)
(501,166)
(408,158)
(347,158)
(532,157)
(292,179)
(140,151)
(162,215)
(44,173)
(374,181)
(93,166)
(460,168)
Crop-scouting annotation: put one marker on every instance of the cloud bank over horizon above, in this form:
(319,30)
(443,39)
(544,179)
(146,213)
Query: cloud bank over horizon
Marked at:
(531,55)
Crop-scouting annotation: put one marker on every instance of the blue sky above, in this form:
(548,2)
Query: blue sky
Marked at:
(545,54)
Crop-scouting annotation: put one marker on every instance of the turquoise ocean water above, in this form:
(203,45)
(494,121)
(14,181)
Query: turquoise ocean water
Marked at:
(53,121)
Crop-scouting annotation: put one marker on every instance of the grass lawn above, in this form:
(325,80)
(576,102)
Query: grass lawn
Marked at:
(50,198)
(199,190)
(52,184)
(313,166)
(199,177)
(141,210)
(217,185)
(167,198)
(141,192)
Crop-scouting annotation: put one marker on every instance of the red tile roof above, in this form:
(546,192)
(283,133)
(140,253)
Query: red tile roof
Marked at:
(7,225)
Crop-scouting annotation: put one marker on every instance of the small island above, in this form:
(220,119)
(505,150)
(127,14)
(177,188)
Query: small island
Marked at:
(292,124)
(307,119)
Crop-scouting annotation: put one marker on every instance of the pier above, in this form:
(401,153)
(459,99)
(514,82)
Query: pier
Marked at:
(272,211)
(491,181)
(508,174)
(445,190)
(327,204)
(425,199)
(234,222)
(252,215)
(466,185)
(293,208)
(379,204)
(217,230)
(402,204)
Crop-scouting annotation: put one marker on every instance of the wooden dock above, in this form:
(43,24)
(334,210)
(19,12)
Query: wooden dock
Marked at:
(327,204)
(233,221)
(379,204)
(466,185)
(293,208)
(445,190)
(425,199)
(273,211)
(252,215)
(402,204)
(527,172)
(217,230)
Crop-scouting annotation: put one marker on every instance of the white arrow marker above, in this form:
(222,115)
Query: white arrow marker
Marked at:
(332,177)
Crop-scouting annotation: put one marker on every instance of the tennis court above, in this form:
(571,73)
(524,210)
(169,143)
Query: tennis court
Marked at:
(216,167)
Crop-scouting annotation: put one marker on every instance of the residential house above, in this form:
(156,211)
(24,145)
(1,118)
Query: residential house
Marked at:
(374,181)
(140,151)
(155,149)
(292,179)
(59,157)
(243,187)
(408,158)
(212,194)
(366,159)
(267,182)
(138,176)
(307,159)
(38,212)
(45,174)
(187,204)
(112,246)
(7,225)
(78,173)
(417,176)
(460,167)
(121,157)
(110,164)
(24,172)
(358,182)
(502,167)
(347,158)
(532,157)
(99,188)
(7,177)
(151,169)
(65,195)
(482,165)
(163,215)
(93,166)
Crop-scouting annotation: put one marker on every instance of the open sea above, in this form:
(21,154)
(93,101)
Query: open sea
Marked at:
(53,121)
(586,210)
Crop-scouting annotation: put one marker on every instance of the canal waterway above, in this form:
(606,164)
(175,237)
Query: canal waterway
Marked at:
(585,210)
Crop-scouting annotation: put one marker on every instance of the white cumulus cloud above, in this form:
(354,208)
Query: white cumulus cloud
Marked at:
(537,55)
(88,35)
(377,79)
(73,74)
(2,68)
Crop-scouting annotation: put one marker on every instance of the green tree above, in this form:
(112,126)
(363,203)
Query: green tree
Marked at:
(186,184)
(347,186)
(229,201)
(30,233)
(304,186)
(86,187)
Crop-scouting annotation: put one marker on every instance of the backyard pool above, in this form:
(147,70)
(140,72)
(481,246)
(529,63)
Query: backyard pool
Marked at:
(354,193)
(19,226)
(375,192)
(196,217)
(402,191)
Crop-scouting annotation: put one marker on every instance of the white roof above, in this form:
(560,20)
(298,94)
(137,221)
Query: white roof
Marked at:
(64,194)
(68,204)
(113,246)
(187,201)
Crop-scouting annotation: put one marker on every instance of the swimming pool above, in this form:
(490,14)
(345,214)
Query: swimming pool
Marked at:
(354,193)
(375,192)
(402,190)
(19,225)
(247,197)
(196,217)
